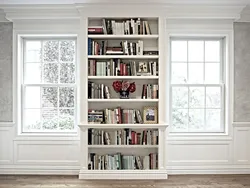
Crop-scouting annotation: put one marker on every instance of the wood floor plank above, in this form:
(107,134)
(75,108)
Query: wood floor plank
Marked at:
(180,181)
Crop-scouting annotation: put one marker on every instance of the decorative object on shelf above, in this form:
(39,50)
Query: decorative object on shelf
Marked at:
(124,87)
(150,114)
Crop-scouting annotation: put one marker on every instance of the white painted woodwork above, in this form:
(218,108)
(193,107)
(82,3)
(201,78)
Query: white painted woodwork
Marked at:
(121,174)
(46,152)
(241,145)
(202,153)
(189,153)
(6,145)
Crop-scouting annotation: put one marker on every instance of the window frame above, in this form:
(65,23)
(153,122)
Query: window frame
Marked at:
(22,85)
(221,84)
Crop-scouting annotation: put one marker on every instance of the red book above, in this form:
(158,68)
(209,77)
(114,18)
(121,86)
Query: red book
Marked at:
(125,71)
(133,137)
(121,69)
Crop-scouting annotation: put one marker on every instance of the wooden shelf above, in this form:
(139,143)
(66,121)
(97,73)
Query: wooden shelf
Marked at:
(123,56)
(123,36)
(123,100)
(115,126)
(122,146)
(123,77)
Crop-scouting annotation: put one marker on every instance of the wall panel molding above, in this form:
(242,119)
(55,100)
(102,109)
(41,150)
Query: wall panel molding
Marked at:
(199,153)
(7,124)
(6,145)
(47,152)
(241,124)
(241,145)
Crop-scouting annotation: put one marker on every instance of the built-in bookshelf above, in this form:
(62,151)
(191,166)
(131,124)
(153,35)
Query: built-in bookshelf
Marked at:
(122,129)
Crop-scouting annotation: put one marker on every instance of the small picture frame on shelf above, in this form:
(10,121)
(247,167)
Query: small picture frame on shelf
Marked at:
(143,67)
(150,114)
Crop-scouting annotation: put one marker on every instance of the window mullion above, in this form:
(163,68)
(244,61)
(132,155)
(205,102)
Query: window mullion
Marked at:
(222,115)
(58,100)
(188,87)
(205,108)
(188,106)
(58,81)
(204,81)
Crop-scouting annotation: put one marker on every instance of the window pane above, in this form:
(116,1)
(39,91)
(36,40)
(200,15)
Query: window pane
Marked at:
(179,51)
(179,73)
(50,119)
(180,97)
(66,119)
(49,97)
(212,51)
(179,120)
(196,119)
(32,97)
(195,73)
(50,73)
(32,73)
(196,97)
(33,51)
(196,51)
(67,73)
(66,97)
(213,119)
(32,119)
(67,51)
(212,73)
(213,97)
(50,51)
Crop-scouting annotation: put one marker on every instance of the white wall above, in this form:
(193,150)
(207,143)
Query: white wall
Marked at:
(185,154)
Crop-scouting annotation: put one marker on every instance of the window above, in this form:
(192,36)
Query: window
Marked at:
(49,85)
(197,85)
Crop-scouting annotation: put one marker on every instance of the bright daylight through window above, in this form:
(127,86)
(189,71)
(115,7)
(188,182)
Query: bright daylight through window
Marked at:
(49,85)
(197,85)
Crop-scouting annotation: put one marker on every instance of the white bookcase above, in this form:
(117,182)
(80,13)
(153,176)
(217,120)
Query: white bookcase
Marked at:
(132,144)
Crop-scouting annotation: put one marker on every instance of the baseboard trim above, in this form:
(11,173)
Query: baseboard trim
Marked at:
(39,170)
(74,170)
(227,169)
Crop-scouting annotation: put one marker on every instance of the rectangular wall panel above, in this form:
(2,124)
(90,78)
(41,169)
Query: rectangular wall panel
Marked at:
(198,153)
(6,145)
(242,145)
(47,152)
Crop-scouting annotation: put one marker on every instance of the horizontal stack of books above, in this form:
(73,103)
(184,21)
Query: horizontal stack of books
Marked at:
(122,162)
(122,137)
(117,67)
(121,27)
(115,116)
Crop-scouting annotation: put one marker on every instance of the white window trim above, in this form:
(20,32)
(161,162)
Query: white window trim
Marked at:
(227,34)
(221,84)
(18,69)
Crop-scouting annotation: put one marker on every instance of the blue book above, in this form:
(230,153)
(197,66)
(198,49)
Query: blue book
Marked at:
(89,46)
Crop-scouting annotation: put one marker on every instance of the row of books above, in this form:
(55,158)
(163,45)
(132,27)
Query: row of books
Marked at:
(122,137)
(98,91)
(115,116)
(125,48)
(150,91)
(122,162)
(115,67)
(101,91)
(124,27)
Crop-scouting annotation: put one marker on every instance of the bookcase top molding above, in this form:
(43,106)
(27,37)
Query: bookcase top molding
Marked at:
(148,9)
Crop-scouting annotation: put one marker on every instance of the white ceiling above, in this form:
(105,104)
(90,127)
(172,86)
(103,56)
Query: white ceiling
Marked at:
(216,2)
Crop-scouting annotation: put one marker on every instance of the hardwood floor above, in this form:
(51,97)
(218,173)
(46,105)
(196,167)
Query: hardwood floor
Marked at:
(180,181)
